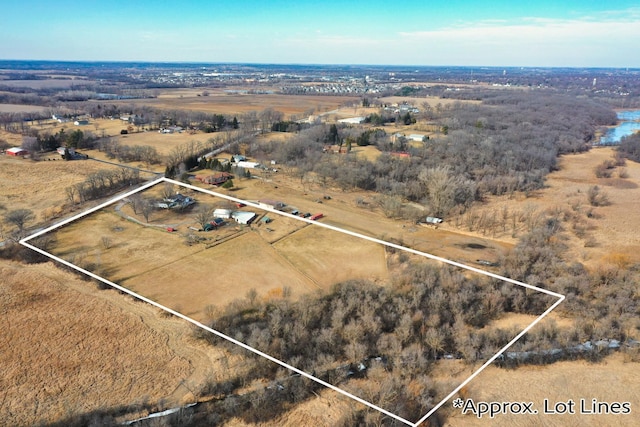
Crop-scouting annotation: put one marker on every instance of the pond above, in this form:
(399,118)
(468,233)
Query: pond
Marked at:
(629,123)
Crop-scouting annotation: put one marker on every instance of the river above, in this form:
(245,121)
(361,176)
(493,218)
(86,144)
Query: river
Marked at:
(629,123)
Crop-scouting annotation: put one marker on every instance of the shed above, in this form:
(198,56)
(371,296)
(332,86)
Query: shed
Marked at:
(17,151)
(272,204)
(222,213)
(243,217)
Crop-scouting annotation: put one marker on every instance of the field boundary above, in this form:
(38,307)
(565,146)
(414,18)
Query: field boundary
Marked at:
(560,297)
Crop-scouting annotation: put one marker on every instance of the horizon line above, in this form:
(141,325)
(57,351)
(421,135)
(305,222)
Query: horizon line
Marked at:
(311,64)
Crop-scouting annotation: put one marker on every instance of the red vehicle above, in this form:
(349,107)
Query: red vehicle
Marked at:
(316,217)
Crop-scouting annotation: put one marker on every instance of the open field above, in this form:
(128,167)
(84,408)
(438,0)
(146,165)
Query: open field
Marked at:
(433,101)
(69,349)
(224,267)
(46,83)
(192,279)
(221,102)
(344,211)
(19,108)
(599,232)
(40,186)
(613,380)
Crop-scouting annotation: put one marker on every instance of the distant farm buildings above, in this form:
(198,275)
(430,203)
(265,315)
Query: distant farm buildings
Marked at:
(171,129)
(241,217)
(17,152)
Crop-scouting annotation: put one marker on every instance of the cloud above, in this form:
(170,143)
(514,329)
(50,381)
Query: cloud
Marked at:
(612,40)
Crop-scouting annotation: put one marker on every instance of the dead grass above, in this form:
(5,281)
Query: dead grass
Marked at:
(67,350)
(40,186)
(20,108)
(221,102)
(613,380)
(159,265)
(595,232)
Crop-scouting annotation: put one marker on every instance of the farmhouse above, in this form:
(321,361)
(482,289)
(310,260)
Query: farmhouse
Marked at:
(215,179)
(177,201)
(17,152)
(171,129)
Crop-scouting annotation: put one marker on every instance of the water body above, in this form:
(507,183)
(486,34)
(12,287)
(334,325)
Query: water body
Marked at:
(629,123)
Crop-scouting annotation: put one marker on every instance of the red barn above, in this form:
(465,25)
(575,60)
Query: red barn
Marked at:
(17,152)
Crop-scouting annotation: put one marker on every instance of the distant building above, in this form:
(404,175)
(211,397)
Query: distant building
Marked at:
(242,217)
(70,150)
(222,213)
(215,179)
(271,204)
(81,122)
(416,137)
(17,152)
(353,120)
(177,201)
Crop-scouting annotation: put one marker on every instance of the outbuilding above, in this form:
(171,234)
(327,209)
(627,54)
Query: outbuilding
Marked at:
(17,152)
(222,213)
(243,217)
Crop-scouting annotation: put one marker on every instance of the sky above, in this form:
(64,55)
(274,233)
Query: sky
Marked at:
(545,33)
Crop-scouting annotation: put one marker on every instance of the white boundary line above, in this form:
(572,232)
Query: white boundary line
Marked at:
(560,297)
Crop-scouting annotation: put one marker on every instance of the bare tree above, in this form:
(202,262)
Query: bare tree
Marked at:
(168,190)
(71,192)
(146,208)
(135,200)
(19,217)
(203,215)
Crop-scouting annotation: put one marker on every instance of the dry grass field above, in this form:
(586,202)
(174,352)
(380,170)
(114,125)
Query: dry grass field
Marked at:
(189,279)
(69,349)
(40,186)
(613,380)
(236,103)
(18,108)
(232,261)
(603,234)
